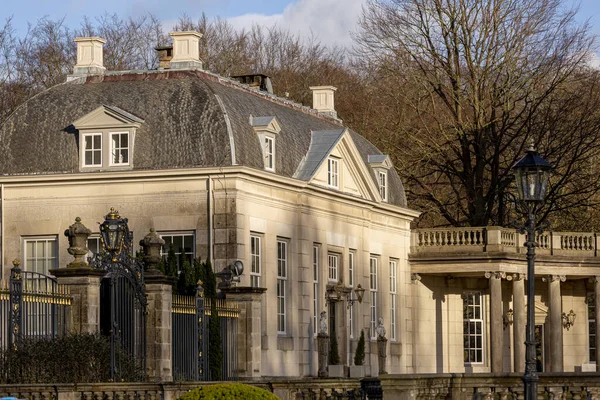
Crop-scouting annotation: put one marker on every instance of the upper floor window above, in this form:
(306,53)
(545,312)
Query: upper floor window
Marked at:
(315,256)
(393,297)
(382,178)
(255,260)
(333,174)
(282,267)
(373,261)
(92,150)
(119,148)
(333,262)
(40,254)
(269,153)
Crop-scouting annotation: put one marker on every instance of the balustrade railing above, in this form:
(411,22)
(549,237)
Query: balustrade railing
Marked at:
(498,239)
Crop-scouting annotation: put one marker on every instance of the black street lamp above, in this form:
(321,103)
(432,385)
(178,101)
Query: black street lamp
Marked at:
(531,173)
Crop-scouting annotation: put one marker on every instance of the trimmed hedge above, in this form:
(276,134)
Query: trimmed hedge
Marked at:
(228,391)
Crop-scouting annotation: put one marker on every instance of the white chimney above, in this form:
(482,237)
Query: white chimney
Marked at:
(323,100)
(186,50)
(90,59)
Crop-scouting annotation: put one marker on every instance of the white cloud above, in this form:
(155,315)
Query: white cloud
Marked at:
(330,21)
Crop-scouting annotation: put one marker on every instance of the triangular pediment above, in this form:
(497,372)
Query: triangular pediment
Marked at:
(354,176)
(107,117)
(269,124)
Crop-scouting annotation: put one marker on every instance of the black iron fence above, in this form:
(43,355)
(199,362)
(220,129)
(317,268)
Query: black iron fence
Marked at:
(32,306)
(191,340)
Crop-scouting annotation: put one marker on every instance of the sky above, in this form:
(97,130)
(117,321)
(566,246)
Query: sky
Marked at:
(330,21)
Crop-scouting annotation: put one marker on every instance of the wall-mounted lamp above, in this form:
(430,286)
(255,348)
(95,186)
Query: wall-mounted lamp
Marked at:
(568,320)
(333,293)
(508,318)
(359,291)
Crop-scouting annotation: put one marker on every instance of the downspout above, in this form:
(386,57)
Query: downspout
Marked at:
(209,210)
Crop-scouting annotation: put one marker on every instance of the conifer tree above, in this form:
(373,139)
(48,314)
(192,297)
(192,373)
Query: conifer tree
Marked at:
(359,355)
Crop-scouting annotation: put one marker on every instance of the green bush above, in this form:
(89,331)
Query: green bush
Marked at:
(359,356)
(228,391)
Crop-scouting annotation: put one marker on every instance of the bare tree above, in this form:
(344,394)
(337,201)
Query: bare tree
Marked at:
(470,83)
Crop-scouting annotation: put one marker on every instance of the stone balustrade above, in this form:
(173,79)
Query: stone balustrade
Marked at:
(499,239)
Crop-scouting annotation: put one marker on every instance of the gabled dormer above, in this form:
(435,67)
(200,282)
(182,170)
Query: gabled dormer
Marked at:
(106,139)
(381,165)
(334,162)
(266,129)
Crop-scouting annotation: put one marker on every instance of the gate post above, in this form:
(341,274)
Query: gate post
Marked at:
(249,329)
(159,292)
(82,282)
(16,302)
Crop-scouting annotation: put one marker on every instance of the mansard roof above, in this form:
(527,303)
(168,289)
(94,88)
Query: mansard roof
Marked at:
(190,119)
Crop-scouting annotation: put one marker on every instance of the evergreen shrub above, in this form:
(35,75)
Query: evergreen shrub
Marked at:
(359,355)
(228,391)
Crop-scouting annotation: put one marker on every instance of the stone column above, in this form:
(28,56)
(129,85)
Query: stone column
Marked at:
(159,358)
(596,281)
(519,322)
(556,329)
(249,328)
(496,323)
(82,282)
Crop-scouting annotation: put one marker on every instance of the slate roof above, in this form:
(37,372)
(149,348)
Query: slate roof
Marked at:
(321,144)
(188,119)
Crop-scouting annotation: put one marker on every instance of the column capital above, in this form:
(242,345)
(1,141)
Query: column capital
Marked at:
(552,278)
(495,274)
(594,279)
(415,278)
(516,277)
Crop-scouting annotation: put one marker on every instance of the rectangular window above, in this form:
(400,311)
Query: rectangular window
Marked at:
(473,328)
(40,254)
(269,153)
(373,293)
(315,263)
(591,306)
(94,246)
(382,177)
(183,246)
(393,297)
(332,262)
(256,261)
(351,295)
(92,150)
(282,260)
(119,148)
(333,172)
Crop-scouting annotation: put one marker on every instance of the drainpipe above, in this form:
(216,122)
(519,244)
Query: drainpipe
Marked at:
(209,210)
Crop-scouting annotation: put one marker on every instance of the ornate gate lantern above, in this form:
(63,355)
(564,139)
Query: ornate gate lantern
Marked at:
(115,234)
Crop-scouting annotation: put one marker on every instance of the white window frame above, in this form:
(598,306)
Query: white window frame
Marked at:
(164,250)
(333,172)
(282,274)
(269,153)
(473,354)
(383,186)
(85,136)
(393,297)
(351,284)
(32,259)
(373,289)
(316,254)
(255,260)
(113,148)
(333,267)
(97,240)
(591,314)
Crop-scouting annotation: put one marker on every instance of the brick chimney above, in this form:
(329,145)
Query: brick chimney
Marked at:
(186,50)
(323,100)
(165,54)
(90,59)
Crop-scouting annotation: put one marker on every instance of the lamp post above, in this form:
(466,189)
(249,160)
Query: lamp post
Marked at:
(532,173)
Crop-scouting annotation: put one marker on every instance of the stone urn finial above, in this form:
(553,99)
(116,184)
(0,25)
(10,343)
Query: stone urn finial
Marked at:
(78,235)
(151,245)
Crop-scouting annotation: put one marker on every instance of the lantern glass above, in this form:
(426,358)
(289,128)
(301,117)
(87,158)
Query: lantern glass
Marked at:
(532,174)
(113,231)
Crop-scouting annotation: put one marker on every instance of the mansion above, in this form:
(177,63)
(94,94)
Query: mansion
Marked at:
(224,170)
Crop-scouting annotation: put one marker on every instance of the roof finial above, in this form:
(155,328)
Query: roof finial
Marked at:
(531,145)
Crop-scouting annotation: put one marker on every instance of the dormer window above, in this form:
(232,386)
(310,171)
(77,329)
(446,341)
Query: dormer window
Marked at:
(333,172)
(382,180)
(269,152)
(266,129)
(106,138)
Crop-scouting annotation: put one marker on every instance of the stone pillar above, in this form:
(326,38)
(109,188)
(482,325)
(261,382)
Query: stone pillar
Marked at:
(159,358)
(596,281)
(249,328)
(82,282)
(519,322)
(496,319)
(323,346)
(556,329)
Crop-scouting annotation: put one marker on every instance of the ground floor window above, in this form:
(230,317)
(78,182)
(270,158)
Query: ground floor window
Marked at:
(183,246)
(591,306)
(473,327)
(40,254)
